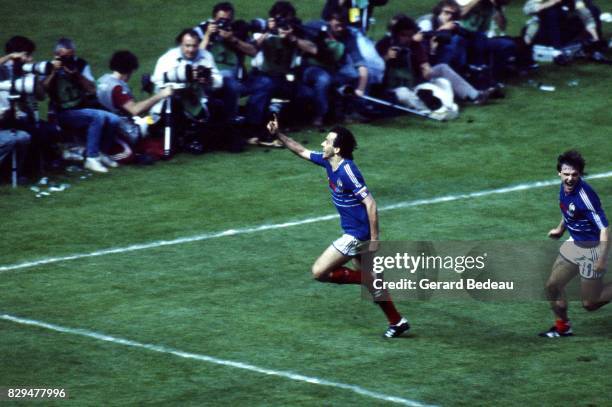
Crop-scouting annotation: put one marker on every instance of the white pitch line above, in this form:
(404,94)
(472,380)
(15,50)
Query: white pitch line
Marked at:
(265,227)
(223,362)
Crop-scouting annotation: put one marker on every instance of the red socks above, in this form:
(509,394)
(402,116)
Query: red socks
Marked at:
(562,326)
(344,275)
(390,312)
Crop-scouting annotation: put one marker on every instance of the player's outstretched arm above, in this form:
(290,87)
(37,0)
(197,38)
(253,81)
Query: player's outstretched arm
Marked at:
(290,143)
(557,232)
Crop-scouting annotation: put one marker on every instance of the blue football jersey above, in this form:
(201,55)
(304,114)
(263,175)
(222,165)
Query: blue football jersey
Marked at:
(582,213)
(348,189)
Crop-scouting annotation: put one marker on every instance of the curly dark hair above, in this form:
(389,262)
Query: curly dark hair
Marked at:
(572,158)
(403,23)
(19,43)
(123,62)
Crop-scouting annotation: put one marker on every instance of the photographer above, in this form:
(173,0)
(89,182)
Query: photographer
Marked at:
(226,40)
(442,34)
(559,22)
(278,48)
(115,95)
(193,72)
(20,74)
(72,90)
(498,53)
(10,137)
(408,64)
(338,62)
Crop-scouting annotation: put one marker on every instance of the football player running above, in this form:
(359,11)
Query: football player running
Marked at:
(358,218)
(586,250)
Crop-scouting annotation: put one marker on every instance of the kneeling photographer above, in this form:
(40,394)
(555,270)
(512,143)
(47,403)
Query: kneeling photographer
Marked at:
(193,74)
(115,94)
(20,91)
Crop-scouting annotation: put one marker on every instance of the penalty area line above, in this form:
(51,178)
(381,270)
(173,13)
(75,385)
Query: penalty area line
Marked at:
(266,227)
(209,359)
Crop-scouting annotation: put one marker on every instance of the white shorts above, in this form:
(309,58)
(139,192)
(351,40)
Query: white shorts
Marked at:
(348,245)
(583,257)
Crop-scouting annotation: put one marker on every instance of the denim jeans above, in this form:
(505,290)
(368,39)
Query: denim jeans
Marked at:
(262,88)
(315,83)
(101,126)
(230,94)
(10,140)
(454,54)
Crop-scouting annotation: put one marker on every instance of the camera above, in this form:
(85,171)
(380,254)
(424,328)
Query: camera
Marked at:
(287,24)
(25,85)
(180,74)
(40,68)
(223,24)
(187,73)
(203,72)
(442,37)
(283,23)
(68,62)
(403,56)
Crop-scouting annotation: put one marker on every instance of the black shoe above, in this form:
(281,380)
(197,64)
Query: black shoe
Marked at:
(554,333)
(396,330)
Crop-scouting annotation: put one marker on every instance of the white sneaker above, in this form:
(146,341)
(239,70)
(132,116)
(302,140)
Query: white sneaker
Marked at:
(94,164)
(109,162)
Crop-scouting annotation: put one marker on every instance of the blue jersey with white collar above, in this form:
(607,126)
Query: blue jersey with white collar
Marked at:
(348,189)
(582,212)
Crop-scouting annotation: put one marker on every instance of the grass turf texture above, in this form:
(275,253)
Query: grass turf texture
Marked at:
(250,298)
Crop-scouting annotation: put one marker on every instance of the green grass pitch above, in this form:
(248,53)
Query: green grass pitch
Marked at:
(249,298)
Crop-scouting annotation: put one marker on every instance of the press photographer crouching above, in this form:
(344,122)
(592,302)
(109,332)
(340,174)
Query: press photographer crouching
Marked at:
(72,91)
(193,74)
(20,91)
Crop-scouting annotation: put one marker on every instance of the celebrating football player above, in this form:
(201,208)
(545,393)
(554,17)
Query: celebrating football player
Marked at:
(585,252)
(358,218)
